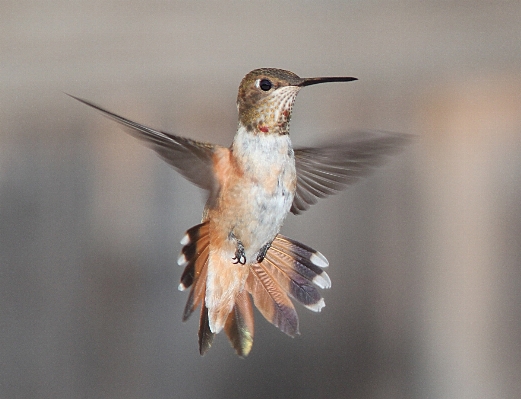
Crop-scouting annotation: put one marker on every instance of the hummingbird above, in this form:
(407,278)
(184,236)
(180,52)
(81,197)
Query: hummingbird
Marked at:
(237,254)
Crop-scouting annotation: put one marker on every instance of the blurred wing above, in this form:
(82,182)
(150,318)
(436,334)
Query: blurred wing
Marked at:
(327,170)
(193,159)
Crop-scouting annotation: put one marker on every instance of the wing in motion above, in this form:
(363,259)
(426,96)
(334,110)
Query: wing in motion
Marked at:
(193,159)
(326,170)
(321,171)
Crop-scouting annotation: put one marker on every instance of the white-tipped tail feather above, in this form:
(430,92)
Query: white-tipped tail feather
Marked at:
(318,259)
(182,261)
(317,307)
(185,240)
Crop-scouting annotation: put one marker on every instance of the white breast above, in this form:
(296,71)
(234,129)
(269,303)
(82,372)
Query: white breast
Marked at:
(268,188)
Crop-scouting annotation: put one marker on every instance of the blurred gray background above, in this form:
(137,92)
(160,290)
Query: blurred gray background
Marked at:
(425,254)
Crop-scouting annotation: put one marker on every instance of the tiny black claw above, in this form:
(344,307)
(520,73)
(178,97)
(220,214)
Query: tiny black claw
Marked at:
(240,259)
(240,256)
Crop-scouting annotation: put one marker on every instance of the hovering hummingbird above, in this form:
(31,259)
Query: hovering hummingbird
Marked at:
(236,252)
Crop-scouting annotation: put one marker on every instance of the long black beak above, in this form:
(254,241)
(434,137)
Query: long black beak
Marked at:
(314,81)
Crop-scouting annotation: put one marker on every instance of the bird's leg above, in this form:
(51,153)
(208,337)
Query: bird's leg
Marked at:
(240,256)
(262,252)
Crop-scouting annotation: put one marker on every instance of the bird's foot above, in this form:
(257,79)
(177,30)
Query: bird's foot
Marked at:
(262,252)
(240,255)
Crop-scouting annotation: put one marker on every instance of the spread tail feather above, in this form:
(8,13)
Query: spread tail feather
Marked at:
(298,269)
(271,300)
(194,257)
(289,268)
(303,260)
(196,296)
(240,325)
(195,241)
(205,334)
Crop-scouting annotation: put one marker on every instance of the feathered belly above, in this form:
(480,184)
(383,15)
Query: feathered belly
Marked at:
(255,223)
(268,209)
(253,211)
(257,182)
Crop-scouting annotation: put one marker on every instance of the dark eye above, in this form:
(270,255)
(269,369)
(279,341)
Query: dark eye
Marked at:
(265,84)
